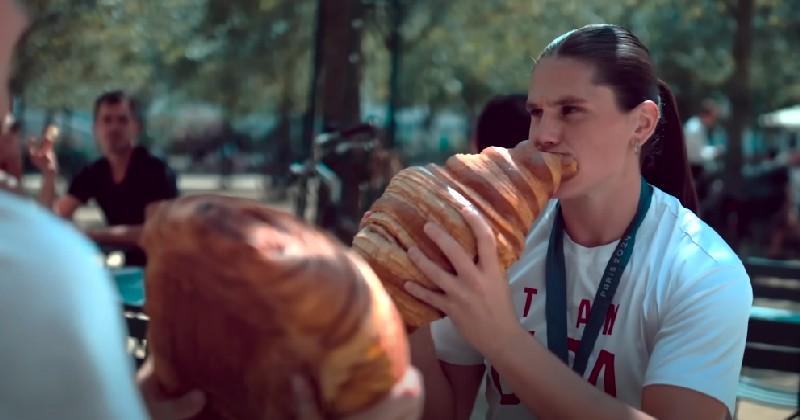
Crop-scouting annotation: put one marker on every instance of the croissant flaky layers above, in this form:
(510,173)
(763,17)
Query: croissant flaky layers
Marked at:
(242,297)
(509,187)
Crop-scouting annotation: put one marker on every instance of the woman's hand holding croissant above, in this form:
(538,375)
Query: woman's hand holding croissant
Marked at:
(477,298)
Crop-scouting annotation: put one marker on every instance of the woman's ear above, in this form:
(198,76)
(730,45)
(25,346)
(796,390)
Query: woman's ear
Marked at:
(646,116)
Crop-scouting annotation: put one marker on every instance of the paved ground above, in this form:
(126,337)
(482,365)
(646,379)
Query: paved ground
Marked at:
(252,186)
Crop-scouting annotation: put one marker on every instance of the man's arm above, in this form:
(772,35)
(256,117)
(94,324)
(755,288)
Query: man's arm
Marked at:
(47,192)
(116,235)
(66,206)
(43,156)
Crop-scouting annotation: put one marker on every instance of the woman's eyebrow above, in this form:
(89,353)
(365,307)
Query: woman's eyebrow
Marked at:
(564,100)
(569,100)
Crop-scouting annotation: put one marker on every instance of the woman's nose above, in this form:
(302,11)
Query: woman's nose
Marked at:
(545,133)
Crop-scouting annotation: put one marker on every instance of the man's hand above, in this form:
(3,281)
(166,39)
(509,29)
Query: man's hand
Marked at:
(43,156)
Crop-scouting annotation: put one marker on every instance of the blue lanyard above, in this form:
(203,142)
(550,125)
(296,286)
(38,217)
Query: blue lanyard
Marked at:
(556,279)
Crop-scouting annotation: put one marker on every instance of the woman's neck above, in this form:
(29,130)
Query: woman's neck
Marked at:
(602,216)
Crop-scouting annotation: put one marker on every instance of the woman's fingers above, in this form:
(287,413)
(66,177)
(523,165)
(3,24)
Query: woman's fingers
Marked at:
(484,238)
(432,271)
(437,300)
(455,253)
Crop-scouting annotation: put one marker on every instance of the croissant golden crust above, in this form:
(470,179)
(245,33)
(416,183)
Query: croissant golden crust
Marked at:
(509,187)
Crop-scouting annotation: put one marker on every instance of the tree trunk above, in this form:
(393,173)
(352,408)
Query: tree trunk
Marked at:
(740,97)
(343,22)
(395,44)
(309,119)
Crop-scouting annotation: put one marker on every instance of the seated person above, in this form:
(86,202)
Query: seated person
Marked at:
(64,344)
(124,181)
(503,122)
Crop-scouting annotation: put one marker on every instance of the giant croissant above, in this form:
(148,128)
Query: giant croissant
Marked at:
(509,187)
(242,297)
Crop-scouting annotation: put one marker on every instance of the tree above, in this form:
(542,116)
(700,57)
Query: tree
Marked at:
(342,26)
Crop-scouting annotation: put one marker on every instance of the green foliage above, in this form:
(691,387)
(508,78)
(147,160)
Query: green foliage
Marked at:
(255,55)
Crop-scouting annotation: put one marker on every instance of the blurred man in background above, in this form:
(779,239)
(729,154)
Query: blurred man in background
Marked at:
(124,181)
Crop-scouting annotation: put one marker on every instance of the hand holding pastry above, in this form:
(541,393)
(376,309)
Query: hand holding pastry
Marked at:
(507,187)
(476,298)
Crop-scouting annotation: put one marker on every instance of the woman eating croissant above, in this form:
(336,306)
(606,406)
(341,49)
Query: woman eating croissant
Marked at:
(623,303)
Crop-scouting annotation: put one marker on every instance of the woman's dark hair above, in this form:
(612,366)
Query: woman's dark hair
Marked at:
(623,63)
(503,122)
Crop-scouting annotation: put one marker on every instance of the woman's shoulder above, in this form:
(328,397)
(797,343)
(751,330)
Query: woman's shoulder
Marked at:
(691,251)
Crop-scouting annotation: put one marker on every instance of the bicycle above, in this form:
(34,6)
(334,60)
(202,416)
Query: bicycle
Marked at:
(328,185)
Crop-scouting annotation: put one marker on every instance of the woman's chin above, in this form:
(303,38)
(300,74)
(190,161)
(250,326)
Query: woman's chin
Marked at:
(566,190)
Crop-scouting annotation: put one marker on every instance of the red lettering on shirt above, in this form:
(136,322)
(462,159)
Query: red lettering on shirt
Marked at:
(584,310)
(611,317)
(529,292)
(605,363)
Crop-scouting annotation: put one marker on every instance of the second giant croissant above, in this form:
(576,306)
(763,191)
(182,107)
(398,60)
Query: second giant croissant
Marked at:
(509,187)
(242,297)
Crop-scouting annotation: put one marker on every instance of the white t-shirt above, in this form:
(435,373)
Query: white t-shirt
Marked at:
(62,341)
(679,316)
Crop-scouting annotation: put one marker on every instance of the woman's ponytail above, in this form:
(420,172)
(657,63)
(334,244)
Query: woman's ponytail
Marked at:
(664,161)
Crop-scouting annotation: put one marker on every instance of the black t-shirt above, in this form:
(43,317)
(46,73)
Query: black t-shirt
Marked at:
(147,180)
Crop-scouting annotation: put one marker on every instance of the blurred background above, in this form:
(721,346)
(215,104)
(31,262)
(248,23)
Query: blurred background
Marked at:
(268,98)
(243,87)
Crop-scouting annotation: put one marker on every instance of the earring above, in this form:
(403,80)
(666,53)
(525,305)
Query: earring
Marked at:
(637,147)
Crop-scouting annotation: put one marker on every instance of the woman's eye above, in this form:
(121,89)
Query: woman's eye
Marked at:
(535,113)
(569,110)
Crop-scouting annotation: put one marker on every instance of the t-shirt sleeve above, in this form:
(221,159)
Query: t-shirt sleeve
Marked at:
(83,185)
(166,185)
(451,347)
(63,339)
(702,334)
